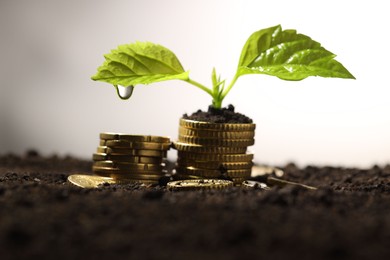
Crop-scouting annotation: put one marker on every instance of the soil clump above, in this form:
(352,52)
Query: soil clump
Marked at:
(223,115)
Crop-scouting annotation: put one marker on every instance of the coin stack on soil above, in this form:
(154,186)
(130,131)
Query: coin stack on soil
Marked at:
(214,150)
(131,158)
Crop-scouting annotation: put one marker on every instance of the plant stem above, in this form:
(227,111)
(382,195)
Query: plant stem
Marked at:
(214,93)
(226,91)
(217,103)
(197,84)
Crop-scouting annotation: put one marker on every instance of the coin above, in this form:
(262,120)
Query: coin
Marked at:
(129,166)
(255,185)
(216,142)
(244,157)
(208,149)
(133,152)
(134,138)
(93,181)
(213,173)
(217,134)
(191,124)
(135,145)
(198,184)
(126,158)
(88,181)
(215,165)
(128,175)
(111,170)
(259,170)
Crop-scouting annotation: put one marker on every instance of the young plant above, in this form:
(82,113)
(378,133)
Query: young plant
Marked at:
(272,51)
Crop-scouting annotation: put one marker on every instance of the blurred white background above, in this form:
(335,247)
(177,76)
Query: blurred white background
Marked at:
(49,50)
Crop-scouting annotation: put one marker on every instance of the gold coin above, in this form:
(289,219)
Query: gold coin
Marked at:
(216,142)
(134,138)
(126,158)
(130,166)
(106,171)
(215,165)
(245,173)
(135,145)
(198,184)
(217,134)
(133,152)
(244,157)
(93,181)
(191,124)
(255,185)
(89,181)
(208,149)
(128,176)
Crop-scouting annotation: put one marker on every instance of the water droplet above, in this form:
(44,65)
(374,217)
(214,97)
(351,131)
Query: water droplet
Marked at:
(124,92)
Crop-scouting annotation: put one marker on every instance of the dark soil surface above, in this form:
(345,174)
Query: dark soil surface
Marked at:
(223,115)
(44,217)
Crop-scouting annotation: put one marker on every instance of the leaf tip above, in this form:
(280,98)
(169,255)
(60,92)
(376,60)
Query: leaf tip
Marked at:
(94,77)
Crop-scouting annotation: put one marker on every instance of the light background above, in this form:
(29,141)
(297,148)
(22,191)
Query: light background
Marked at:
(49,49)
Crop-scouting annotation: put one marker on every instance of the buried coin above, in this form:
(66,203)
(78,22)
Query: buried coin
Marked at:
(199,184)
(89,181)
(134,138)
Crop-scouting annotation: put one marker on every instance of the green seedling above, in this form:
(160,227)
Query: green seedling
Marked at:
(271,51)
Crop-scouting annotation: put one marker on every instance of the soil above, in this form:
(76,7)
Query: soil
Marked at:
(223,115)
(44,217)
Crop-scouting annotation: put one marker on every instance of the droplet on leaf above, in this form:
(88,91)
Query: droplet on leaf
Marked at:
(124,92)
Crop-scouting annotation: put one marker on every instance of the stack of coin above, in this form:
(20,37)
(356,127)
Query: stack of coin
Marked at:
(131,158)
(214,150)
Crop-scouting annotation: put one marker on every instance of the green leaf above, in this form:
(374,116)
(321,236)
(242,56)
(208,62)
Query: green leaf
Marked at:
(140,63)
(214,78)
(288,55)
